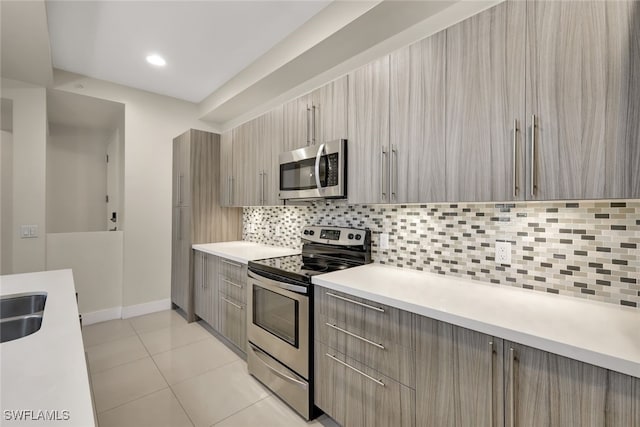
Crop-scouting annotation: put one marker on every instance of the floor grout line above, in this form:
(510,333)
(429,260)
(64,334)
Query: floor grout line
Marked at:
(204,372)
(133,400)
(240,410)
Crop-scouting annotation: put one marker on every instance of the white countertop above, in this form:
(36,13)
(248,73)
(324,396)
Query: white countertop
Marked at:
(243,252)
(602,334)
(46,371)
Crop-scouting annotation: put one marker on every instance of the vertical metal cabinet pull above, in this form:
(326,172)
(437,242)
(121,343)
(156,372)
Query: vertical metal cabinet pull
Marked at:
(180,189)
(383,156)
(393,173)
(313,124)
(491,384)
(261,188)
(308,124)
(516,187)
(264,177)
(229,183)
(179,224)
(512,398)
(533,155)
(354,369)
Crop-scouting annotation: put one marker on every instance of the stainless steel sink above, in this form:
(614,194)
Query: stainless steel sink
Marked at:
(21,315)
(18,327)
(21,304)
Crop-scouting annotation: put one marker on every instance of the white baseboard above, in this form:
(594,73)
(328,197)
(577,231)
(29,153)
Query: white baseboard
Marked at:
(101,315)
(125,312)
(146,308)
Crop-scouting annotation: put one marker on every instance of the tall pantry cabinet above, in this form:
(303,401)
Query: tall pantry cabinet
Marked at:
(197,214)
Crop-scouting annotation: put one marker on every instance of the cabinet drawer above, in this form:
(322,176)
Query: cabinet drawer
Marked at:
(355,395)
(233,271)
(234,289)
(374,321)
(385,356)
(232,321)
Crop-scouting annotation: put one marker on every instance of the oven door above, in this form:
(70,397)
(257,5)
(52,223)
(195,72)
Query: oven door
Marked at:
(314,172)
(278,322)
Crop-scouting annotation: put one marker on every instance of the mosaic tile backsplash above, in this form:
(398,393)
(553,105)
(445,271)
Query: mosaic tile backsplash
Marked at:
(586,249)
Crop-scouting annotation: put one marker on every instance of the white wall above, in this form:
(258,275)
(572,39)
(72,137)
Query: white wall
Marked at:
(6,202)
(29,166)
(76,179)
(151,123)
(96,261)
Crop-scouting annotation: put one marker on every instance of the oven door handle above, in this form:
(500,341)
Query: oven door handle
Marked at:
(262,357)
(317,168)
(275,284)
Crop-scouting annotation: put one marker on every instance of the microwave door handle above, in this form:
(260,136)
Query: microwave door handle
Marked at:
(317,169)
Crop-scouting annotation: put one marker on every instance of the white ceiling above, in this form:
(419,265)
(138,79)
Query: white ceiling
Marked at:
(205,43)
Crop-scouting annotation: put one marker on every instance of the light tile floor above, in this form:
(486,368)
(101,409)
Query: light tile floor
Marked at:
(160,371)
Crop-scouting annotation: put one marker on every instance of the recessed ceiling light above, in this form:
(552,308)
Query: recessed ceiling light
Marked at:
(156,60)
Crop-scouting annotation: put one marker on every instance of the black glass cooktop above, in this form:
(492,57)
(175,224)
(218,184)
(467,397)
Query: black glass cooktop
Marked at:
(298,267)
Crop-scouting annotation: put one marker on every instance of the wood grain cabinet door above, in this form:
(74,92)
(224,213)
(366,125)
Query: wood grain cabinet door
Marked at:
(226,168)
(485,89)
(355,395)
(458,376)
(544,389)
(199,298)
(417,122)
(329,112)
(623,400)
(297,123)
(583,87)
(271,145)
(368,146)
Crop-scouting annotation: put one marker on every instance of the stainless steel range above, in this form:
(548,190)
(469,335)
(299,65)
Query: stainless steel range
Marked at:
(280,310)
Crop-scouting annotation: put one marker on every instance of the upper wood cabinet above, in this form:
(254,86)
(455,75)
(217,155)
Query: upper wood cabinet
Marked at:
(226,169)
(317,117)
(368,145)
(417,122)
(485,89)
(255,148)
(583,86)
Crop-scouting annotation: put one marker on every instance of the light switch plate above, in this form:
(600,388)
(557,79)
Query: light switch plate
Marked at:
(503,252)
(384,241)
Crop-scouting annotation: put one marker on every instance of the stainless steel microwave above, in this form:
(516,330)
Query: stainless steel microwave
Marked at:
(318,171)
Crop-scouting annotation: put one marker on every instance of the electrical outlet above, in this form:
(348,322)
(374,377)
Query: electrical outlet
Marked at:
(252,228)
(384,241)
(278,230)
(503,252)
(28,231)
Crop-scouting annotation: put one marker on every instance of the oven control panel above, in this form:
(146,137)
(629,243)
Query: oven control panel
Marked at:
(336,235)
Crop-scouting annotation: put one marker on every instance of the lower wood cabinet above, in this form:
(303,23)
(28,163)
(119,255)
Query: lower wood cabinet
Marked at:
(220,296)
(544,389)
(355,395)
(206,287)
(232,320)
(458,377)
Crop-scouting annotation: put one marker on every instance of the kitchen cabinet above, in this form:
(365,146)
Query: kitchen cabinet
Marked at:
(468,378)
(232,320)
(197,214)
(485,88)
(417,122)
(368,144)
(255,149)
(459,376)
(353,394)
(364,361)
(583,87)
(317,117)
(226,169)
(206,287)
